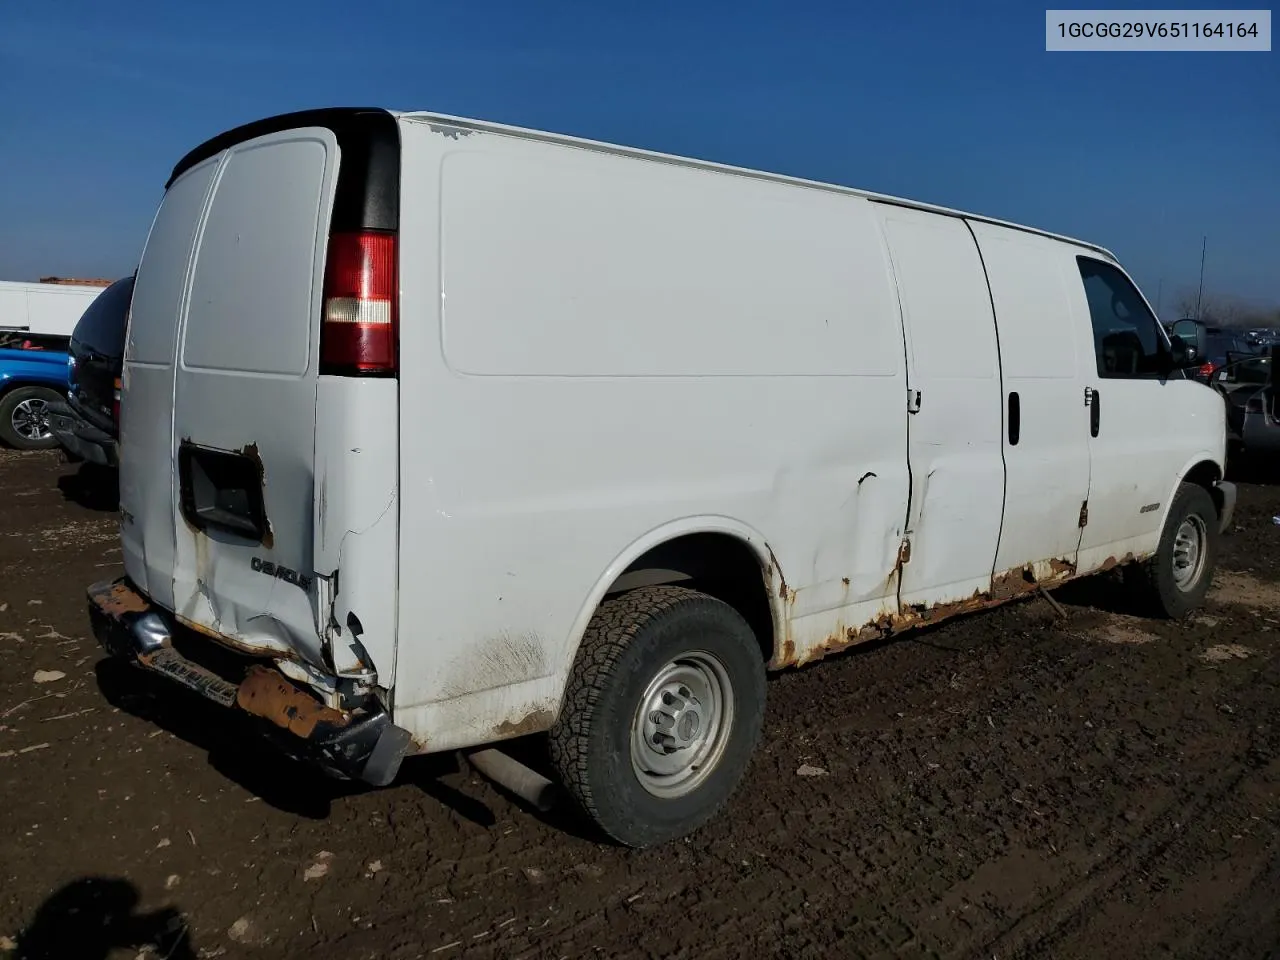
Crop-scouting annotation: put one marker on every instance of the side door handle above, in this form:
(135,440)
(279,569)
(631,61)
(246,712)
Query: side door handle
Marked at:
(1015,418)
(1094,400)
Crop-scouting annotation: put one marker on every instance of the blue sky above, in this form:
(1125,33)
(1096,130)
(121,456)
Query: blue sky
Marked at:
(951,103)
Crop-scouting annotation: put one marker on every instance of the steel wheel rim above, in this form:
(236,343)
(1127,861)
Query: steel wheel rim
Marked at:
(30,419)
(1188,552)
(682,725)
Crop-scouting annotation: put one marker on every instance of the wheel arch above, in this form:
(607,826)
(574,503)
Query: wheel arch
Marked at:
(720,556)
(1203,470)
(17,381)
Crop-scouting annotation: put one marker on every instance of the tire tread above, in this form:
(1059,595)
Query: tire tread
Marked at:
(607,637)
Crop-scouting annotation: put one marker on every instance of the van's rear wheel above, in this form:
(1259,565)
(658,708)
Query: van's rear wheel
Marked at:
(24,418)
(661,714)
(1175,581)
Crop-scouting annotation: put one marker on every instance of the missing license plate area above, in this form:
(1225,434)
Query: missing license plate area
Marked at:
(222,490)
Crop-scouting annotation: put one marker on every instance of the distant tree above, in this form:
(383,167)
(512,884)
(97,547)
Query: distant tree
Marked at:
(1224,310)
(1185,304)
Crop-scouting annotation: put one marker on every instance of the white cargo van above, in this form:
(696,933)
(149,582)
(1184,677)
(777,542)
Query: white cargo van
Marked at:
(438,432)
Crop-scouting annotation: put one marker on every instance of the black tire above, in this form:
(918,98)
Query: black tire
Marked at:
(630,641)
(1154,582)
(13,404)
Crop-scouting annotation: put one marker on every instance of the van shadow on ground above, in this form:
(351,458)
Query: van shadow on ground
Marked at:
(92,487)
(234,748)
(90,917)
(237,751)
(1106,592)
(1254,468)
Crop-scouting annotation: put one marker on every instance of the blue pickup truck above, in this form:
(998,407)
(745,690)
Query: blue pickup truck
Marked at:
(33,374)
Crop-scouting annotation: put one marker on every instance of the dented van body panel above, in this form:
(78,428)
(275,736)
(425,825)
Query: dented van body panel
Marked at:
(240,380)
(357,522)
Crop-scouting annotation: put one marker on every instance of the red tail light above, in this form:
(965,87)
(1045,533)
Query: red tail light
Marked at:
(115,402)
(1206,369)
(359,326)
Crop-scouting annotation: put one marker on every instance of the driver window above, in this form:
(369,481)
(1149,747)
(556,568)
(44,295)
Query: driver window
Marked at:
(1125,337)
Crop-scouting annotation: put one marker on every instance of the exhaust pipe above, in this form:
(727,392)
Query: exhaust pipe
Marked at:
(514,777)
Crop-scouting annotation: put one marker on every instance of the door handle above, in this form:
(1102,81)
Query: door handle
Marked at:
(1015,418)
(1095,412)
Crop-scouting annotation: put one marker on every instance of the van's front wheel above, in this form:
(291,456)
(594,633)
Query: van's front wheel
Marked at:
(662,712)
(1175,581)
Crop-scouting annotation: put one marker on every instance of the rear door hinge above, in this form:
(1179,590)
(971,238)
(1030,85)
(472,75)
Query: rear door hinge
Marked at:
(913,401)
(1084,513)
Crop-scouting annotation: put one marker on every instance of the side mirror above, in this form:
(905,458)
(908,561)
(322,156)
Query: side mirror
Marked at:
(1181,353)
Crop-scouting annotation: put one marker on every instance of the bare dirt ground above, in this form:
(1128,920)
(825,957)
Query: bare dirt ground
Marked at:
(1008,785)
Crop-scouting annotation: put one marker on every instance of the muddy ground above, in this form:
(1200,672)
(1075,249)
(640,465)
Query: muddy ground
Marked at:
(1002,786)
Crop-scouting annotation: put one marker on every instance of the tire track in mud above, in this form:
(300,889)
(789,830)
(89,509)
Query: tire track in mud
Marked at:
(1037,934)
(1254,919)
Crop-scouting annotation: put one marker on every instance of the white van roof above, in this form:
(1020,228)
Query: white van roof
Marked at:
(467,123)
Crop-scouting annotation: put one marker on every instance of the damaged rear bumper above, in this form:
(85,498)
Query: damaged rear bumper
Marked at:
(81,439)
(361,744)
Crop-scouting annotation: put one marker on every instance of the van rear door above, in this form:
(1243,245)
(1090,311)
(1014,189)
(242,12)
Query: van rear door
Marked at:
(219,440)
(245,394)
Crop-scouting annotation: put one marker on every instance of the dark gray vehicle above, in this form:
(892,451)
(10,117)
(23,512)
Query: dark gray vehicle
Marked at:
(1249,386)
(86,424)
(1211,346)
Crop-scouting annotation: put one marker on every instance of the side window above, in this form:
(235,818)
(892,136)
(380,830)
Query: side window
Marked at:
(1125,335)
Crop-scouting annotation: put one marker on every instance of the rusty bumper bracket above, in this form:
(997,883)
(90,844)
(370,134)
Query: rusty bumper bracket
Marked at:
(364,745)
